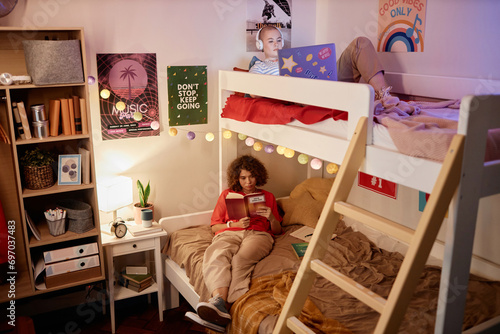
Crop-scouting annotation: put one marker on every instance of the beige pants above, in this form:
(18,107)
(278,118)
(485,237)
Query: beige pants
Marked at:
(359,60)
(231,258)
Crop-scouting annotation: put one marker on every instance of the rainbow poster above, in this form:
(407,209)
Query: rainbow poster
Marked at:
(401,25)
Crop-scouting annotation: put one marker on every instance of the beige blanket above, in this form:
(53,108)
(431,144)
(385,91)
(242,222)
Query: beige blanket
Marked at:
(352,254)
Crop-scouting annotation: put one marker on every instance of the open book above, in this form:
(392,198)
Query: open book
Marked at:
(239,206)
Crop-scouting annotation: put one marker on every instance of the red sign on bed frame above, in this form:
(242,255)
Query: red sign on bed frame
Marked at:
(377,184)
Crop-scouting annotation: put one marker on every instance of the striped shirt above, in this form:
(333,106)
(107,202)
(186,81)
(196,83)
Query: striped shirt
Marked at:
(265,67)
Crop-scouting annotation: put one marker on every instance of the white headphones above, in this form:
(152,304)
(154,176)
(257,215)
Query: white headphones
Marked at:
(258,42)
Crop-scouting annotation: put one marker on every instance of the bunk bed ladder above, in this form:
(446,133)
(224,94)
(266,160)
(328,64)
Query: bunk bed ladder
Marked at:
(392,309)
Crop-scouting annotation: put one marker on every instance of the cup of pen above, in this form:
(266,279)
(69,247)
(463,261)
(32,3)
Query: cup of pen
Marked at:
(56,219)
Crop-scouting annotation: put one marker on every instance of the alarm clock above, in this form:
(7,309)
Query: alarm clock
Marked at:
(119,228)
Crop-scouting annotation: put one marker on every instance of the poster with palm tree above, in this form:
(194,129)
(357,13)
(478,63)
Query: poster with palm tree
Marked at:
(128,95)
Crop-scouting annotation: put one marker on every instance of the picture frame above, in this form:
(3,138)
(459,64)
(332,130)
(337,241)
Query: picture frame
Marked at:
(69,169)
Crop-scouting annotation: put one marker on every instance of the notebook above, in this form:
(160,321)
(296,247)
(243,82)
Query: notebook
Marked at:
(315,62)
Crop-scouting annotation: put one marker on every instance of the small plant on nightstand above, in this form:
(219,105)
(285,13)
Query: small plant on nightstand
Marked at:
(144,193)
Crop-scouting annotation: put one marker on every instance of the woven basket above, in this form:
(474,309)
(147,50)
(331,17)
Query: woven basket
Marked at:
(38,177)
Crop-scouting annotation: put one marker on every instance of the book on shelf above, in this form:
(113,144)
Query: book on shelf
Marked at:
(84,116)
(138,229)
(66,123)
(136,278)
(299,249)
(139,288)
(85,164)
(24,119)
(17,121)
(71,109)
(239,206)
(136,270)
(78,115)
(54,116)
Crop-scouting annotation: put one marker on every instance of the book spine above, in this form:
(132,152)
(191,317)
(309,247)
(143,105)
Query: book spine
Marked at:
(78,115)
(24,119)
(17,120)
(54,115)
(72,116)
(66,123)
(83,112)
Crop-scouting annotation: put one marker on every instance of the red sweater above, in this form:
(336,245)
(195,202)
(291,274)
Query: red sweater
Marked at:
(219,216)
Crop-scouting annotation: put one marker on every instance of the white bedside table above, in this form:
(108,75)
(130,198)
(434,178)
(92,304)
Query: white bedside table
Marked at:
(129,244)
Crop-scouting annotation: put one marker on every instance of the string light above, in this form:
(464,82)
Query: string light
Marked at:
(332,168)
(105,93)
(209,136)
(316,164)
(269,148)
(137,116)
(303,159)
(258,146)
(289,153)
(120,105)
(249,141)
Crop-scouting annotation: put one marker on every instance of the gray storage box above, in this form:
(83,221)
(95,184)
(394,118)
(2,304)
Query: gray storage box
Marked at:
(54,62)
(78,215)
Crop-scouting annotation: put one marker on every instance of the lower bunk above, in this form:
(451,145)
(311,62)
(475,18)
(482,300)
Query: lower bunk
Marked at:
(328,309)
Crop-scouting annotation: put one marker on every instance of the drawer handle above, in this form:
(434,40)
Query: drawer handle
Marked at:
(134,245)
(82,264)
(80,250)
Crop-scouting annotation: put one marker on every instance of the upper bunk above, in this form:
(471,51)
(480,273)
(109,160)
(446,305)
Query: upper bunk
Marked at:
(357,100)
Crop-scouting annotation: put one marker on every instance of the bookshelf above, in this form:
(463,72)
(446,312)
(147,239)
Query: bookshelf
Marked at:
(14,196)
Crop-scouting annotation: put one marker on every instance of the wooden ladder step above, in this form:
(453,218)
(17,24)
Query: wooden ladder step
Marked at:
(349,285)
(371,219)
(296,326)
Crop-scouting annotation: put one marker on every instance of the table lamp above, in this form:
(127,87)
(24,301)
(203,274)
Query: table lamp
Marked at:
(114,193)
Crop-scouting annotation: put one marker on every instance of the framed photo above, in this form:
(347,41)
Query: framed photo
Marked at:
(69,170)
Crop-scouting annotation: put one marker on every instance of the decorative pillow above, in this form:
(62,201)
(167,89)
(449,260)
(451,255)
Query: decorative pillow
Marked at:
(306,202)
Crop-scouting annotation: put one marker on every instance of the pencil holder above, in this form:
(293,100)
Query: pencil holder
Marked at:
(57,227)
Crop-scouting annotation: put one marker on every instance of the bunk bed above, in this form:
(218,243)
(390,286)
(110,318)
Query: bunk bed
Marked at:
(385,162)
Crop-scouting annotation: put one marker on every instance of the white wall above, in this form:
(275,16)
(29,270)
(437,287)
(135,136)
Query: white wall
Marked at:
(183,173)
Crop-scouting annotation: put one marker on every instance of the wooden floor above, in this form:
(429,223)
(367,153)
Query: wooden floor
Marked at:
(132,316)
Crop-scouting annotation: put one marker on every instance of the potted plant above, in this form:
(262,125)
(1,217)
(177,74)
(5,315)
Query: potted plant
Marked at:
(144,193)
(37,168)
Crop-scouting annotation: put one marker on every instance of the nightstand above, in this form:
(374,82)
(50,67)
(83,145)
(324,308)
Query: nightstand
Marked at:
(129,244)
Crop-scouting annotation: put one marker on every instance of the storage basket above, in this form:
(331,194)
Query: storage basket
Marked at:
(53,62)
(38,177)
(79,215)
(57,227)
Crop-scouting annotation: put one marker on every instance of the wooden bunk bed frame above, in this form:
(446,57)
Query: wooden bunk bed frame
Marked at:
(357,99)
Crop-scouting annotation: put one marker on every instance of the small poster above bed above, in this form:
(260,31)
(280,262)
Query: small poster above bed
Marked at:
(187,95)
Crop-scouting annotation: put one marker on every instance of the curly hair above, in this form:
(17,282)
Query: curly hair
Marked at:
(248,163)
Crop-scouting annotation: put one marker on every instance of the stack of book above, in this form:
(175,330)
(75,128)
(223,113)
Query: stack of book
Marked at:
(136,282)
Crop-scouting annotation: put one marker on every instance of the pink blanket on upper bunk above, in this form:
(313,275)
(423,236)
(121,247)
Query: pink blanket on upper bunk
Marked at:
(425,129)
(417,128)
